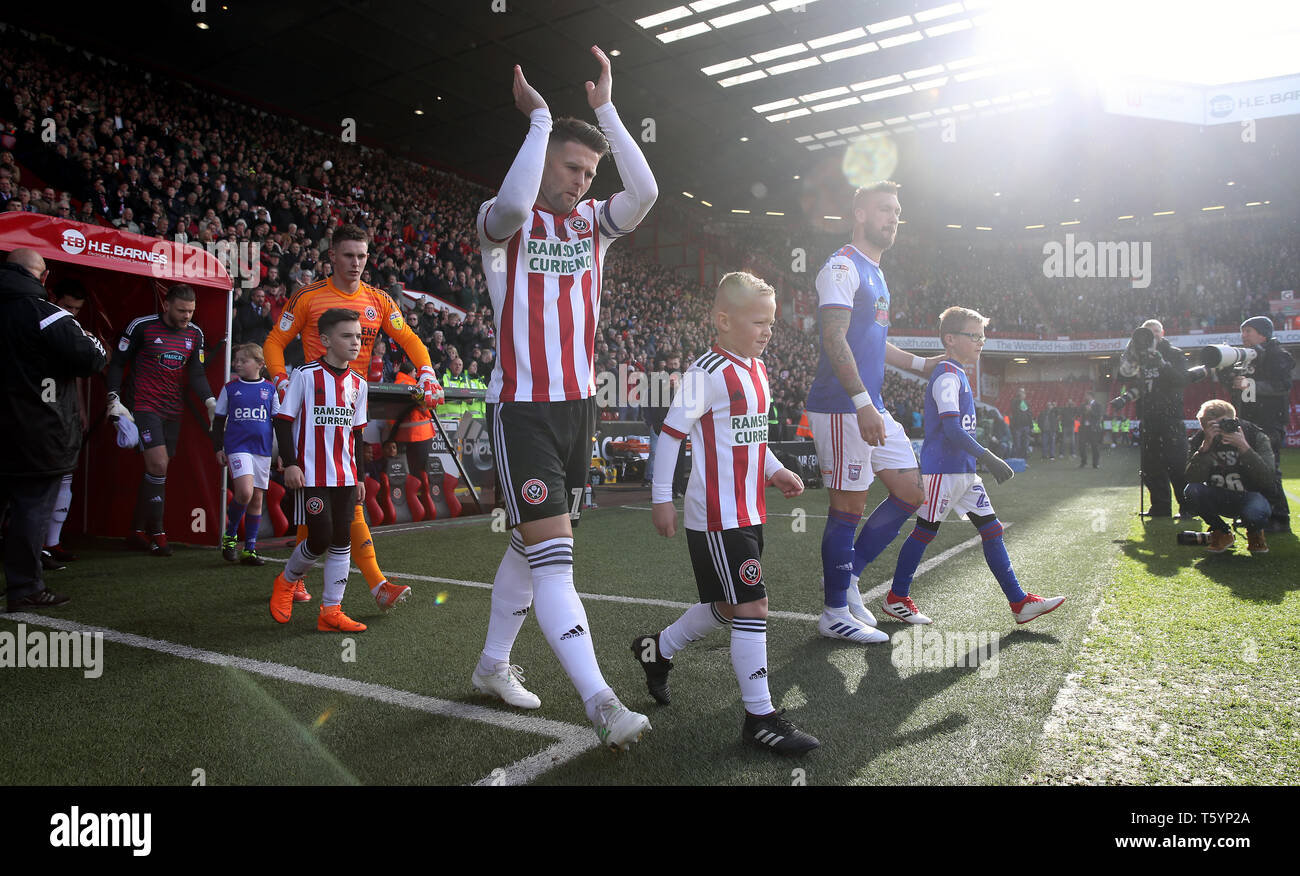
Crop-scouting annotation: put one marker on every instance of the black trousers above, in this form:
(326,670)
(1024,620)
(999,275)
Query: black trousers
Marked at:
(1089,439)
(31,502)
(1164,462)
(1281,508)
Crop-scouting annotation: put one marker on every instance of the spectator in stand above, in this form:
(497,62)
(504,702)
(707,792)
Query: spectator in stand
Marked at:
(251,322)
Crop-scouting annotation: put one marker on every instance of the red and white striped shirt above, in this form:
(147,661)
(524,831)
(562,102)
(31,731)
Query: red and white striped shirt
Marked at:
(325,406)
(545,283)
(723,404)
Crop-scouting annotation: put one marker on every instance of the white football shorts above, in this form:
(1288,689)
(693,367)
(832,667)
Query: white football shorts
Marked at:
(848,462)
(246,463)
(963,493)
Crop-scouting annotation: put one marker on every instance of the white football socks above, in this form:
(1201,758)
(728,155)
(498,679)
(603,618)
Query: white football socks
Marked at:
(60,515)
(300,562)
(512,594)
(695,623)
(561,616)
(749,660)
(337,561)
(854,594)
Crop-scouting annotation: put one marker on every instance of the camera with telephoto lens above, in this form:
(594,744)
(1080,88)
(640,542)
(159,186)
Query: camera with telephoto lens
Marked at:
(1221,357)
(1130,395)
(1193,538)
(1143,340)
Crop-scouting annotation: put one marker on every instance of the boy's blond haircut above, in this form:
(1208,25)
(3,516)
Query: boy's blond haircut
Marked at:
(954,319)
(250,351)
(1216,408)
(739,288)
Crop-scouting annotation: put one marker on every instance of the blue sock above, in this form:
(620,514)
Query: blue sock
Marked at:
(995,554)
(837,556)
(881,528)
(234,511)
(251,523)
(909,557)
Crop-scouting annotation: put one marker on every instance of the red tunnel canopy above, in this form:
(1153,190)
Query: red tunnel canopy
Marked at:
(126,276)
(97,246)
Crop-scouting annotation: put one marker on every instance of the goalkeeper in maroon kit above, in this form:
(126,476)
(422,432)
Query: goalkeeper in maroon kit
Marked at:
(165,352)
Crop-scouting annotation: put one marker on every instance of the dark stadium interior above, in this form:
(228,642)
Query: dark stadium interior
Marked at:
(378,61)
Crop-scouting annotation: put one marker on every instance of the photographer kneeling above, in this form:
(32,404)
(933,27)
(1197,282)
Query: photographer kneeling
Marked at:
(1230,474)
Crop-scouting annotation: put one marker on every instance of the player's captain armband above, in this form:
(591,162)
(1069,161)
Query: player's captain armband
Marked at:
(286,321)
(124,343)
(395,319)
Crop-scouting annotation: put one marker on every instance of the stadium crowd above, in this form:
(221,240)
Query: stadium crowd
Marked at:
(161,158)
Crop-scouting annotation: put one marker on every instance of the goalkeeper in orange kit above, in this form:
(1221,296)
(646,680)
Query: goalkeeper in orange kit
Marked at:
(348,254)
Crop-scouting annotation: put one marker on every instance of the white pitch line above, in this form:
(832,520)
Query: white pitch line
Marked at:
(599,597)
(573,740)
(875,592)
(769,513)
(883,587)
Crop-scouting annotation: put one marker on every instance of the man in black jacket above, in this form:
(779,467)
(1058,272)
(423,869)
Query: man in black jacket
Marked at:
(1160,372)
(1261,391)
(1090,432)
(251,322)
(45,351)
(1230,475)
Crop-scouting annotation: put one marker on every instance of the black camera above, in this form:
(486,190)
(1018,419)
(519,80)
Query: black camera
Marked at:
(1131,395)
(1228,425)
(1143,340)
(1193,538)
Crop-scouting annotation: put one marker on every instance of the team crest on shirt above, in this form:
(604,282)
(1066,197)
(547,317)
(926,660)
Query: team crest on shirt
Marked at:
(264,393)
(751,572)
(855,470)
(371,314)
(882,311)
(579,225)
(315,505)
(189,345)
(534,491)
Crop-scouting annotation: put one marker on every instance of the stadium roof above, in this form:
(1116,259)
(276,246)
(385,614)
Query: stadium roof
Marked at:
(751,105)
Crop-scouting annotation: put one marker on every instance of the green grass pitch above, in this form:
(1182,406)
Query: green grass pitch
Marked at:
(1164,666)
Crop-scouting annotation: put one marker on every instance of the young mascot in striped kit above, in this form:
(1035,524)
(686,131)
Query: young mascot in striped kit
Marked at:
(722,405)
(948,459)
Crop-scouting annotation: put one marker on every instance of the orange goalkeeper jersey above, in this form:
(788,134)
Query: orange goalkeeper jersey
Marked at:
(301,313)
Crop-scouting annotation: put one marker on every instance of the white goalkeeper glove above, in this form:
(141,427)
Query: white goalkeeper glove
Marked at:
(433,395)
(117,410)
